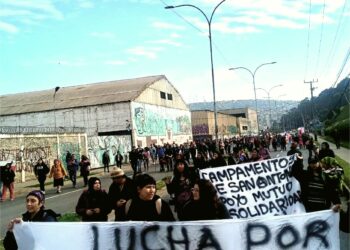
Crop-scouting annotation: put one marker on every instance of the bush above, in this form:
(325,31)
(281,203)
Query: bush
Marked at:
(69,217)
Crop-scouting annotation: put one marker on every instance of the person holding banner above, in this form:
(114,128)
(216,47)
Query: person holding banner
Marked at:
(254,156)
(93,203)
(298,166)
(204,204)
(147,206)
(36,212)
(217,160)
(317,191)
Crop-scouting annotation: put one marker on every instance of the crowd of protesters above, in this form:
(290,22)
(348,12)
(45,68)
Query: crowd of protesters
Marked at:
(193,199)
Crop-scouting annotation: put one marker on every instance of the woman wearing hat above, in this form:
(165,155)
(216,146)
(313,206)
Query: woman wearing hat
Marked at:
(93,202)
(120,191)
(36,212)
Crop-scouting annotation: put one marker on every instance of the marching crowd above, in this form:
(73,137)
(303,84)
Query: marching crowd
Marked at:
(193,199)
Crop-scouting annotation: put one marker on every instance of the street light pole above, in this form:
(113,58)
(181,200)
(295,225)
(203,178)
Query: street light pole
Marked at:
(209,20)
(253,76)
(54,114)
(268,98)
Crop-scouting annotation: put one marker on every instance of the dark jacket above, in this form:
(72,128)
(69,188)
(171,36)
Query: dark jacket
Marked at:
(115,194)
(42,216)
(91,199)
(196,210)
(218,162)
(325,152)
(84,167)
(41,170)
(317,192)
(72,165)
(7,175)
(298,165)
(141,210)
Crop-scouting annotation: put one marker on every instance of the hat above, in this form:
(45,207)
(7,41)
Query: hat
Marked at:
(38,194)
(118,172)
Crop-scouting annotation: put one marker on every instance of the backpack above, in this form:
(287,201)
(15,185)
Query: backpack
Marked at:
(158,206)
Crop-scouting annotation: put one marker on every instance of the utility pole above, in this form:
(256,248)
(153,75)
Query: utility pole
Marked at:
(312,104)
(312,96)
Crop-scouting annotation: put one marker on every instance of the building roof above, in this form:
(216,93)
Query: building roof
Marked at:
(76,96)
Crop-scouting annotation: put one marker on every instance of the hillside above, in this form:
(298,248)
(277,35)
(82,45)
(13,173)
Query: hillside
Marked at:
(278,107)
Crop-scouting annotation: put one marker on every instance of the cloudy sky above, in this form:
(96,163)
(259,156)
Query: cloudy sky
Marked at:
(49,43)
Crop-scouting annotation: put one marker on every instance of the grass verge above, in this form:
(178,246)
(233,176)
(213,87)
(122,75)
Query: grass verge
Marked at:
(346,167)
(69,217)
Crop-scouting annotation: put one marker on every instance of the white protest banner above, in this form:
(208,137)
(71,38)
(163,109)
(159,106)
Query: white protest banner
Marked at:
(318,230)
(261,188)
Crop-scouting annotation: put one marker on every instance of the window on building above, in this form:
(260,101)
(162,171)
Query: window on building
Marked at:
(170,96)
(162,95)
(245,127)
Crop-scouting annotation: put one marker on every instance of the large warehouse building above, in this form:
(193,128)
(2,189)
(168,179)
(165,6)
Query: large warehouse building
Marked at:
(113,116)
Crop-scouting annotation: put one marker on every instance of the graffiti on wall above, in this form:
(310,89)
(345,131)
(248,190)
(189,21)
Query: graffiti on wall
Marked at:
(97,145)
(158,121)
(69,145)
(200,129)
(232,129)
(26,151)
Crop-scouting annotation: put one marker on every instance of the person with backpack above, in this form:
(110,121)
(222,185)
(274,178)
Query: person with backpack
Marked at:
(147,206)
(120,191)
(41,170)
(36,212)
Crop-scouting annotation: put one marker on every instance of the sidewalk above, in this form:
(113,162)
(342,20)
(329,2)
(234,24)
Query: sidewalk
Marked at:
(31,183)
(342,152)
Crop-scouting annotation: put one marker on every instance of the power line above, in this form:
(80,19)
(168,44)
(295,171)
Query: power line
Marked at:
(332,50)
(342,67)
(321,36)
(203,32)
(308,42)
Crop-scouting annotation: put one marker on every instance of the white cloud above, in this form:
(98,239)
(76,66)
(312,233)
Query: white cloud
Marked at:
(145,52)
(167,42)
(271,13)
(8,27)
(27,12)
(265,20)
(169,26)
(43,6)
(175,35)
